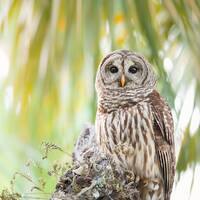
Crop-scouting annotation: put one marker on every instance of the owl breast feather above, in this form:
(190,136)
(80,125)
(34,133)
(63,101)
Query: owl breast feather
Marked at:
(127,136)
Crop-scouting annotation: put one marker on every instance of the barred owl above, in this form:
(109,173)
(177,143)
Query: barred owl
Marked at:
(134,125)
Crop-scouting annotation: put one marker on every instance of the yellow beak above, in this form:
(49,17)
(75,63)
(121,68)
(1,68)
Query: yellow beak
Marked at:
(123,81)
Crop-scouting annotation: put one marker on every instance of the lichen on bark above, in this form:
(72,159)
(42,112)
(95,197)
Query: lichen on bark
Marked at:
(94,176)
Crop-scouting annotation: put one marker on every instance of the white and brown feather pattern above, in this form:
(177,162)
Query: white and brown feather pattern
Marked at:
(134,125)
(127,134)
(164,139)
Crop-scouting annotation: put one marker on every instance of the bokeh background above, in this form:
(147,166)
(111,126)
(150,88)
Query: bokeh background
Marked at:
(49,53)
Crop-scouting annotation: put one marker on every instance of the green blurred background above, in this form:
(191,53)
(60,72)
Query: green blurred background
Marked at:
(49,53)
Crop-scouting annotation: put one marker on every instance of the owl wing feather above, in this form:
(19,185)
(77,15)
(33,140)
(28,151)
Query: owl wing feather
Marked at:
(164,139)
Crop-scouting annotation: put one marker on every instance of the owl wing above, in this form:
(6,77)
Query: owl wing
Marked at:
(164,139)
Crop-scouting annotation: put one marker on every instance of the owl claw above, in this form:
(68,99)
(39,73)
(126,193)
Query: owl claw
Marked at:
(137,179)
(151,184)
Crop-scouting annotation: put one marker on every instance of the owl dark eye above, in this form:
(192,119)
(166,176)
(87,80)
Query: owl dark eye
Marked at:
(113,69)
(133,69)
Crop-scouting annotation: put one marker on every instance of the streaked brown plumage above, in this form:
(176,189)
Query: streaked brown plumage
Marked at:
(134,125)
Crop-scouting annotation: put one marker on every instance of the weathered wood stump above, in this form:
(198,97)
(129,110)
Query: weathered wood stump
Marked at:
(93,176)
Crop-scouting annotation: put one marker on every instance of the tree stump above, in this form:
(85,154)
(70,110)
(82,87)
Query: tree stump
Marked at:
(94,176)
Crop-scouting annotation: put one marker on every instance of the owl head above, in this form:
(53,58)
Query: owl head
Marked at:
(124,72)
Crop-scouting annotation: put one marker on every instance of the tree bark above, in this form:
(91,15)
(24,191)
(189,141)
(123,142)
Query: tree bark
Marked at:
(93,176)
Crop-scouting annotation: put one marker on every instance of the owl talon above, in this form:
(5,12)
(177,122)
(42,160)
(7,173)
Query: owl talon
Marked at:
(137,179)
(151,184)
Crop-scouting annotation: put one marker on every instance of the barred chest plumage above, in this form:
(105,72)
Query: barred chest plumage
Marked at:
(127,135)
